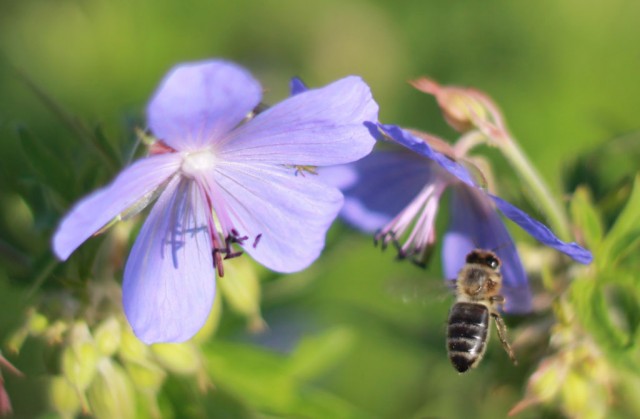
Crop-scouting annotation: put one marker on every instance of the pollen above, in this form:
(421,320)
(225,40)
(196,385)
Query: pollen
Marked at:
(196,163)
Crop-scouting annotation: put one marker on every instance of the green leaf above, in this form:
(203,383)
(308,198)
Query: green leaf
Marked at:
(592,310)
(624,236)
(586,218)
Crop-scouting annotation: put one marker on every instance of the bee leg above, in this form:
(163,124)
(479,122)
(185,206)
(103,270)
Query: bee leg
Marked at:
(502,334)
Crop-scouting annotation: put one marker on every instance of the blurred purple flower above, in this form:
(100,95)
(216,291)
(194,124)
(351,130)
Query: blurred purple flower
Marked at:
(223,180)
(396,195)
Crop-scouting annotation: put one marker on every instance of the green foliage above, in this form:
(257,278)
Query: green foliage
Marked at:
(607,295)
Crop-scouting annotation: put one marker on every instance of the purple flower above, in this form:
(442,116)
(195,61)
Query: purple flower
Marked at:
(223,181)
(396,193)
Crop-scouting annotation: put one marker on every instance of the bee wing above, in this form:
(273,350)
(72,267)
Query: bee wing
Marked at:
(419,289)
(475,223)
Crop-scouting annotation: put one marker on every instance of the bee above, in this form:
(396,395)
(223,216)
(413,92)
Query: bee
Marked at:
(477,299)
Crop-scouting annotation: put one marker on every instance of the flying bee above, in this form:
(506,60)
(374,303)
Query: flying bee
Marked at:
(477,299)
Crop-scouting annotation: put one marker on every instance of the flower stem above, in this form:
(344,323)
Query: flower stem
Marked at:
(537,188)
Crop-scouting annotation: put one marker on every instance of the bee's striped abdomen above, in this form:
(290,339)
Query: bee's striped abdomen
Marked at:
(467,334)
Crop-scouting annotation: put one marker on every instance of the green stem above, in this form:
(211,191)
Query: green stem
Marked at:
(538,190)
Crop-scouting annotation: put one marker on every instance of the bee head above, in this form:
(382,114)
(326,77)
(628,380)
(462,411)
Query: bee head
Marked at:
(485,258)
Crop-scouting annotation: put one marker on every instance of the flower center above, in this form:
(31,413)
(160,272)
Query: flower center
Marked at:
(196,163)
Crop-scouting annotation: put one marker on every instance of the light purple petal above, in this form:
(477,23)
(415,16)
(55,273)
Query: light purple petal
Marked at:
(96,210)
(542,233)
(199,103)
(318,127)
(379,186)
(418,145)
(169,279)
(291,212)
(475,223)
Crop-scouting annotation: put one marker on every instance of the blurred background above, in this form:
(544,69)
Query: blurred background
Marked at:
(358,334)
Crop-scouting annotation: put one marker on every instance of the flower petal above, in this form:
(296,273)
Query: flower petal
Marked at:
(317,127)
(379,186)
(96,210)
(541,232)
(201,102)
(289,211)
(296,85)
(418,145)
(476,224)
(169,280)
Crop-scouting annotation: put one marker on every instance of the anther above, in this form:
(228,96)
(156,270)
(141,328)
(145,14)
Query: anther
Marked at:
(257,240)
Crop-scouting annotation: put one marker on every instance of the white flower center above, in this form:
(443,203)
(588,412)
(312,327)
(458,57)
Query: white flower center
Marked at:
(198,162)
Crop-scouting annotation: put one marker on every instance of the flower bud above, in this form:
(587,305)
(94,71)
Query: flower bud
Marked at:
(63,397)
(80,358)
(79,364)
(463,108)
(148,377)
(107,336)
(179,358)
(575,395)
(132,349)
(111,394)
(37,323)
(547,381)
(16,339)
(55,332)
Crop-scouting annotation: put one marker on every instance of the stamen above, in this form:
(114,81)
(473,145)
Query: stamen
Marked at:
(419,218)
(257,240)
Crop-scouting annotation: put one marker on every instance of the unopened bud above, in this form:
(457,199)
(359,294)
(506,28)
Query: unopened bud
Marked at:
(80,333)
(108,336)
(111,394)
(547,381)
(37,323)
(179,358)
(79,364)
(575,395)
(55,332)
(148,378)
(132,349)
(63,397)
(16,340)
(464,108)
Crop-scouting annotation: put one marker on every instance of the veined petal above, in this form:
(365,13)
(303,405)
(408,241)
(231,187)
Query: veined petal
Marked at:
(169,279)
(379,186)
(541,232)
(475,223)
(198,103)
(96,210)
(284,214)
(418,145)
(316,127)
